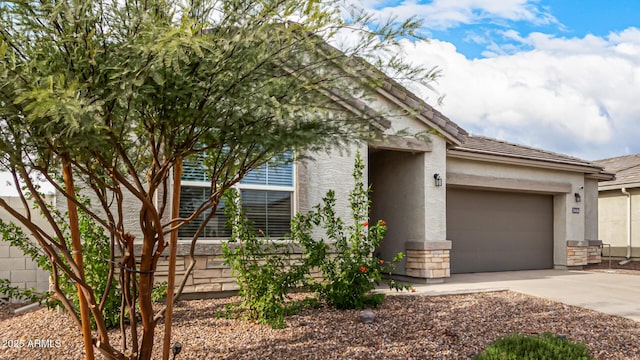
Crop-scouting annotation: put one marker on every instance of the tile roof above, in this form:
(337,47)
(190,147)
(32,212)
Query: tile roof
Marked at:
(626,168)
(425,110)
(491,146)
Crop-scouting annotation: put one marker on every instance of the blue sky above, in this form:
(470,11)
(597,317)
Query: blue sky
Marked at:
(563,19)
(559,75)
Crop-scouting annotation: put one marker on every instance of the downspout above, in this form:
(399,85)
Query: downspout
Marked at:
(628,259)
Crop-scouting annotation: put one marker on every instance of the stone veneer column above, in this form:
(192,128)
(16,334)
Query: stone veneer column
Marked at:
(594,252)
(577,253)
(429,260)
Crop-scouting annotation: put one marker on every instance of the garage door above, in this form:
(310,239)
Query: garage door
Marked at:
(499,231)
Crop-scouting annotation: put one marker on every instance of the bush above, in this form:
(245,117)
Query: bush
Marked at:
(352,273)
(264,269)
(96,255)
(19,293)
(266,272)
(547,346)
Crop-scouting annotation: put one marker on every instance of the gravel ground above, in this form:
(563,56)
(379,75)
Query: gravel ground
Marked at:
(632,267)
(407,327)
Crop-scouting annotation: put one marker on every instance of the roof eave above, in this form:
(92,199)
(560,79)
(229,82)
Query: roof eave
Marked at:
(428,116)
(604,187)
(519,160)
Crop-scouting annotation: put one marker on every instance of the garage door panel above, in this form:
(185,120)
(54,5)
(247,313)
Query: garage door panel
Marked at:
(499,231)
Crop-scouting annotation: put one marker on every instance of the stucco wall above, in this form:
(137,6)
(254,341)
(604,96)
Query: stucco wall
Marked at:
(397,181)
(130,205)
(328,171)
(435,162)
(612,222)
(14,264)
(590,198)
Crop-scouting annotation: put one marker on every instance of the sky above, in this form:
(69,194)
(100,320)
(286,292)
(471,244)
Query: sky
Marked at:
(559,75)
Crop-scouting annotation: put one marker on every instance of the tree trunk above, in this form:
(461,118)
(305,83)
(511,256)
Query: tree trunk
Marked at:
(146,278)
(175,212)
(77,257)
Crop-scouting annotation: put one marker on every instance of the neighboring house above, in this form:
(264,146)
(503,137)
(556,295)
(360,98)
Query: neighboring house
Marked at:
(619,206)
(453,204)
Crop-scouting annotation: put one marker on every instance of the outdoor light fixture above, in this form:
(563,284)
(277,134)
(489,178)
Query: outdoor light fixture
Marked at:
(438,179)
(578,197)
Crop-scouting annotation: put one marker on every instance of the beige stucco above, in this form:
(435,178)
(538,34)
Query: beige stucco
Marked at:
(328,171)
(397,180)
(612,221)
(590,198)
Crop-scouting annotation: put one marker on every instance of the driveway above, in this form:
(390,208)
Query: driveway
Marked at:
(610,293)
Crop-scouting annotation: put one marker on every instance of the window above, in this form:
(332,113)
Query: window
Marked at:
(266,195)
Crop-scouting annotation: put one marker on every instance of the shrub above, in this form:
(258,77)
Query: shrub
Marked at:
(159,292)
(353,271)
(266,272)
(264,268)
(96,255)
(547,346)
(19,293)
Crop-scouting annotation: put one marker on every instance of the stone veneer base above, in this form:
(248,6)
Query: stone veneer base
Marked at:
(428,260)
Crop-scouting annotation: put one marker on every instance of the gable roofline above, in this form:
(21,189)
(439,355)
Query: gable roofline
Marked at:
(409,102)
(421,110)
(392,91)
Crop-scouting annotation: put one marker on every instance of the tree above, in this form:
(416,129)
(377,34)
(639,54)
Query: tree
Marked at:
(106,98)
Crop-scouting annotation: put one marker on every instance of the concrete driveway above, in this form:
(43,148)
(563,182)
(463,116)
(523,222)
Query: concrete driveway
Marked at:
(610,293)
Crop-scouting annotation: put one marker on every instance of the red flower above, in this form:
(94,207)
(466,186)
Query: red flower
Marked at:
(381,261)
(363,269)
(383,223)
(365,224)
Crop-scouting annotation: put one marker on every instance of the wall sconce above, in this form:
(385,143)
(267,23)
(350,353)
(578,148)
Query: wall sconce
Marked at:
(578,197)
(437,179)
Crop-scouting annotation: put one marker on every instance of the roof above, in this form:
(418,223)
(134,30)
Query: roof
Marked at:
(626,168)
(424,112)
(481,145)
(413,104)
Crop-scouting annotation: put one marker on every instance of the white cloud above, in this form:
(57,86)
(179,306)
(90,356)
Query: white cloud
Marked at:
(444,14)
(572,95)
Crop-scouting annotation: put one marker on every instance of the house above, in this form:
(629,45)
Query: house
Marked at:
(453,202)
(618,207)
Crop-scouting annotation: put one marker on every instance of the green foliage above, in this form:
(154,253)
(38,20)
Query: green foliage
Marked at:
(18,293)
(352,272)
(264,268)
(122,89)
(96,255)
(159,292)
(95,250)
(15,236)
(266,271)
(547,346)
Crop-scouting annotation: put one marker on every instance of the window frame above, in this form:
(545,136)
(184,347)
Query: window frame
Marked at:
(292,189)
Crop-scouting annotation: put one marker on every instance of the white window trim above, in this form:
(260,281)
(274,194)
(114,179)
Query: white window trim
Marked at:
(293,188)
